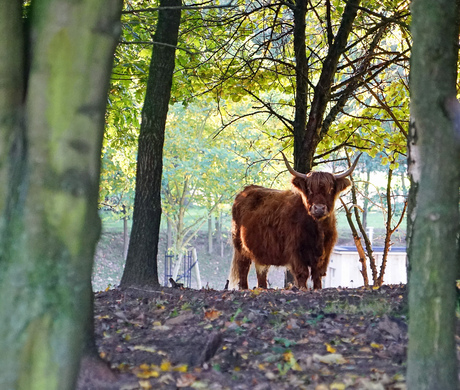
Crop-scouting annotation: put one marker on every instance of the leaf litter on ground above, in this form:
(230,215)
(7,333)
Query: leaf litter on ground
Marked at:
(255,339)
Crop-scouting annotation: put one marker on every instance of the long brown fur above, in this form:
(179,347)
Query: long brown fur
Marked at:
(295,229)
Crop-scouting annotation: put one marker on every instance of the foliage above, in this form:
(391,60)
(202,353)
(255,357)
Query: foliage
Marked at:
(203,170)
(236,61)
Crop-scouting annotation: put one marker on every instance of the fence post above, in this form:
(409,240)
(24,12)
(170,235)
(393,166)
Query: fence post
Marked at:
(195,261)
(177,266)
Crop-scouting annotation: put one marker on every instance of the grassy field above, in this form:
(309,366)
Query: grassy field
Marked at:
(214,268)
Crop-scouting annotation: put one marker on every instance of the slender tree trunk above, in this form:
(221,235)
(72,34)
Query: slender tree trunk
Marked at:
(210,246)
(433,219)
(125,234)
(366,198)
(358,244)
(141,265)
(51,126)
(220,236)
(169,233)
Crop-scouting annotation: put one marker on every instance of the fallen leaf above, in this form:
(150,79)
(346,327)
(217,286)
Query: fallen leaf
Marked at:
(144,371)
(212,314)
(377,346)
(330,348)
(145,384)
(180,319)
(270,375)
(185,380)
(180,368)
(333,358)
(165,365)
(256,292)
(144,348)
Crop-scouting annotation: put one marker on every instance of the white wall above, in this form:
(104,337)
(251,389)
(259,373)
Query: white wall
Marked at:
(344,268)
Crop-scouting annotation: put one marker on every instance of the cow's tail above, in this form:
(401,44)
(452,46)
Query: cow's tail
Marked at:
(234,277)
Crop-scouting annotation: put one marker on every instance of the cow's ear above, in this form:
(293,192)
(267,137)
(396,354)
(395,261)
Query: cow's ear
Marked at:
(300,184)
(342,184)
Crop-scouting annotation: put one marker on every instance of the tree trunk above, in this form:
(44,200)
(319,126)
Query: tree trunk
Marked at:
(210,248)
(51,124)
(307,133)
(169,234)
(322,93)
(141,264)
(366,197)
(125,234)
(301,75)
(433,218)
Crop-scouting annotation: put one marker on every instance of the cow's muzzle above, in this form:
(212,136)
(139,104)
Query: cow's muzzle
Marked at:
(318,211)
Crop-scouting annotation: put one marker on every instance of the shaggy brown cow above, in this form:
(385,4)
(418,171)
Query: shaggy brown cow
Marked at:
(294,228)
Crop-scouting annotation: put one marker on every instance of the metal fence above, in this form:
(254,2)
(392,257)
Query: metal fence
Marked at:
(184,264)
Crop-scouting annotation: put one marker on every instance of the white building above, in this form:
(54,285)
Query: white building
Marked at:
(344,267)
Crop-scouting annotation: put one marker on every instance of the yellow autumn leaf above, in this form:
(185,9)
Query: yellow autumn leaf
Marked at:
(181,368)
(330,348)
(165,365)
(377,346)
(337,386)
(288,356)
(145,374)
(144,384)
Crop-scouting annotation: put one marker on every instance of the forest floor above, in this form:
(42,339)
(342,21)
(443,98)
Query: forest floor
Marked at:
(178,338)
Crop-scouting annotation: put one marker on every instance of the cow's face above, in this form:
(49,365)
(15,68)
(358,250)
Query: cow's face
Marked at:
(319,192)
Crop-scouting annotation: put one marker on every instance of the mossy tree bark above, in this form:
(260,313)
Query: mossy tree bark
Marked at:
(53,86)
(141,264)
(433,219)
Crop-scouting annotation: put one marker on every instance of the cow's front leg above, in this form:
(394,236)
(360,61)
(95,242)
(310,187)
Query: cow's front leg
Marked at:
(301,274)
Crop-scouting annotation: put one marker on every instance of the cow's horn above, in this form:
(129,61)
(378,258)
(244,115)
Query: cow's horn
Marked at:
(291,170)
(349,171)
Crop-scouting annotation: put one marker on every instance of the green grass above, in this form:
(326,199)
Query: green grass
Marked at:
(373,307)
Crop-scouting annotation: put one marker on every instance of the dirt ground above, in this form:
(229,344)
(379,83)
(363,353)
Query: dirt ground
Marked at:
(256,339)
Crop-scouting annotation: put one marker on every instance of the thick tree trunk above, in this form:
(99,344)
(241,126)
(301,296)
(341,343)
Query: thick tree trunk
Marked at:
(301,76)
(141,264)
(433,218)
(307,127)
(48,202)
